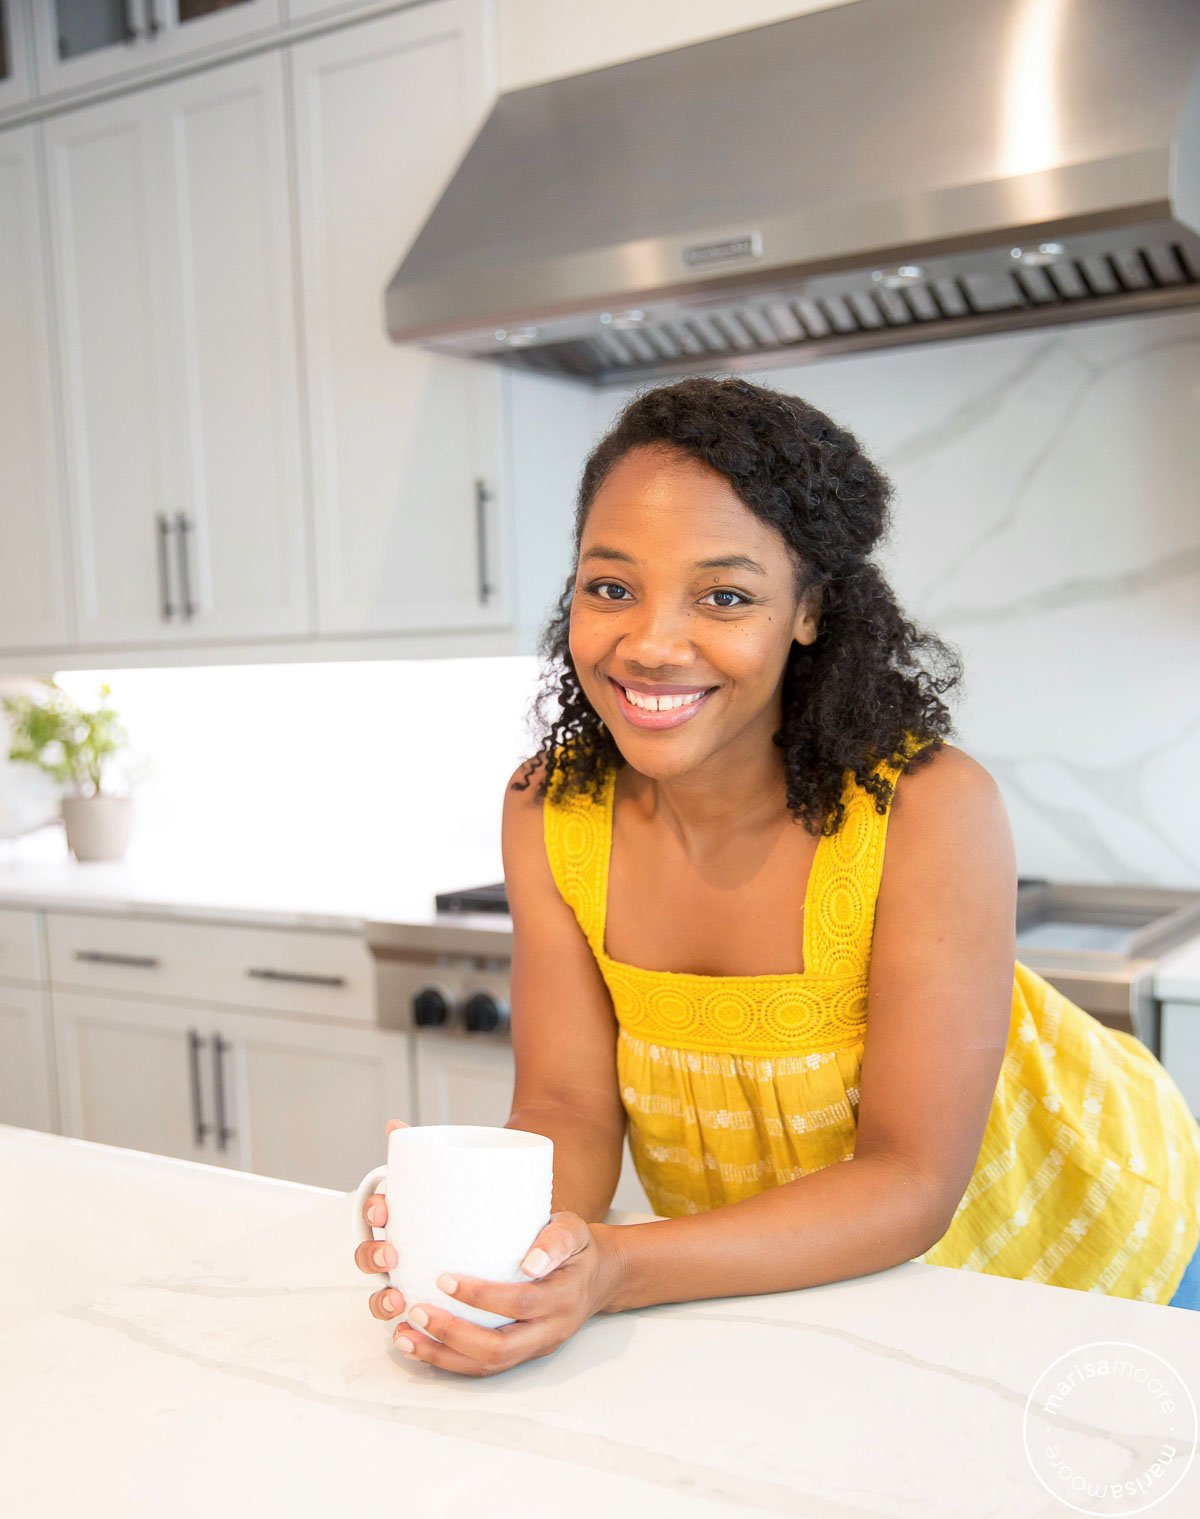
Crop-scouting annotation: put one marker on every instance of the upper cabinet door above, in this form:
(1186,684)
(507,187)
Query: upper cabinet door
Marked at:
(107,170)
(173,262)
(411,513)
(15,70)
(82,42)
(33,599)
(235,416)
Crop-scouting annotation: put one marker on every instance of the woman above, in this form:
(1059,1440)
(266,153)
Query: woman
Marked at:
(711,945)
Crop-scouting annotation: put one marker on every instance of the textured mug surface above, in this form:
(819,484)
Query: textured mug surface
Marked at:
(462,1198)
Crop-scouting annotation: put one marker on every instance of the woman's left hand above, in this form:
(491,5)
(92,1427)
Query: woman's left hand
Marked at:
(572,1278)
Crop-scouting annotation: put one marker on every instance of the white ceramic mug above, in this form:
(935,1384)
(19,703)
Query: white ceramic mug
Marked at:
(461,1198)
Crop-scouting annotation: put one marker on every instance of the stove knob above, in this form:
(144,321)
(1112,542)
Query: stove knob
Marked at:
(484,1014)
(431,1007)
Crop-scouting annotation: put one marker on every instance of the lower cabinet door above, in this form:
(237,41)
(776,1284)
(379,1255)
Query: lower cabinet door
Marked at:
(26,1082)
(310,1102)
(463,1079)
(139,1074)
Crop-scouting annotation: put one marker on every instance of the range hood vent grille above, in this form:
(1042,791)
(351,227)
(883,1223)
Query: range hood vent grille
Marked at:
(787,329)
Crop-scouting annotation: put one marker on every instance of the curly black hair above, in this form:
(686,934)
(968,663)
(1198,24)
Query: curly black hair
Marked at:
(868,688)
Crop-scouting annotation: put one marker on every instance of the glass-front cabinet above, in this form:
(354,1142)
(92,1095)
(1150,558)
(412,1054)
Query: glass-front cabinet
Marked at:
(82,42)
(14,56)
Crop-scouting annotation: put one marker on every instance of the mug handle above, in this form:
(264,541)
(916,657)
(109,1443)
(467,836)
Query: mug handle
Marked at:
(371,1182)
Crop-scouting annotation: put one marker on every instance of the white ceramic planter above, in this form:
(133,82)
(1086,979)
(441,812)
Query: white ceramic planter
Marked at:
(98,827)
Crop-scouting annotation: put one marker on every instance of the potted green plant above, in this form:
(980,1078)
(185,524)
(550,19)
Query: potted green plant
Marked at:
(76,747)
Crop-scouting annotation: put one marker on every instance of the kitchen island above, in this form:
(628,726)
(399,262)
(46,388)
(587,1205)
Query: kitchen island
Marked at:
(180,1339)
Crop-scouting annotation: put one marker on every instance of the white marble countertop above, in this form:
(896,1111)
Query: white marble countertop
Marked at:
(295,892)
(1177,976)
(179,1339)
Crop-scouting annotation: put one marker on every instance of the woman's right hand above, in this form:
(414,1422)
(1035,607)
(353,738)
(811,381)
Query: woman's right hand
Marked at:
(375,1255)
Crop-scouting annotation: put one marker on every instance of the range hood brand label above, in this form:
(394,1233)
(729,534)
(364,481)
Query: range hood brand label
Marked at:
(697,254)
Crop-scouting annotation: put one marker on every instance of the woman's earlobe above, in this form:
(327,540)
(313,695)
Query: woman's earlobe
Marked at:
(806,629)
(808,617)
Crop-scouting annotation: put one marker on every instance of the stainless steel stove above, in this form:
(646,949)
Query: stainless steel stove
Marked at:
(1099,945)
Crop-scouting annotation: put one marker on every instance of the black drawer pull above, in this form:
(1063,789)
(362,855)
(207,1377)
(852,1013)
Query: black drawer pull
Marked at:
(199,1127)
(224,1132)
(103,957)
(164,548)
(305,978)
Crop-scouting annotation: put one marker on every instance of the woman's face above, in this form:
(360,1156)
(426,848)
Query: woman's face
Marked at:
(682,591)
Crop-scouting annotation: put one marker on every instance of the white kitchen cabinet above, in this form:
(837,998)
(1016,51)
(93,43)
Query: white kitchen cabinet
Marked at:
(172,252)
(470,1080)
(22,954)
(411,508)
(305,973)
(16,73)
(1179,1040)
(462,1080)
(279,1096)
(139,1074)
(312,1102)
(88,42)
(33,590)
(27,1096)
(312,10)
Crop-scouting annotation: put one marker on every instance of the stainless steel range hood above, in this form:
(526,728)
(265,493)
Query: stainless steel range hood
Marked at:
(887,171)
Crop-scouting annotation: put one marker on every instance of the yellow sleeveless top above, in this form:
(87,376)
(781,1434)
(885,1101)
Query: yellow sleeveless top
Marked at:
(1089,1171)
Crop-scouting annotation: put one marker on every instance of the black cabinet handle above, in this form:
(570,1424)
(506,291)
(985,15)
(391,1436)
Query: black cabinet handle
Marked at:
(167,611)
(482,497)
(224,1132)
(199,1127)
(184,527)
(103,957)
(304,978)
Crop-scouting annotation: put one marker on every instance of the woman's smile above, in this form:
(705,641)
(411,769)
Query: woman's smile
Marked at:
(652,713)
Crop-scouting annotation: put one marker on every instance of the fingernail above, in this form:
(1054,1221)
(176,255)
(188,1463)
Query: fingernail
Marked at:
(381,1257)
(535,1262)
(402,1342)
(375,1214)
(390,1301)
(447,1284)
(419,1317)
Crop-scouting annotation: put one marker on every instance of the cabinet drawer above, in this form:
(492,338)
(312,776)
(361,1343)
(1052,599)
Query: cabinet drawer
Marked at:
(20,945)
(319,975)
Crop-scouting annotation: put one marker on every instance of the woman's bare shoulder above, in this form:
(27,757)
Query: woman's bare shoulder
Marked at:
(944,774)
(947,804)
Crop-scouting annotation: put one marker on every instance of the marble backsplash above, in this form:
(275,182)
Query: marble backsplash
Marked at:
(1047,522)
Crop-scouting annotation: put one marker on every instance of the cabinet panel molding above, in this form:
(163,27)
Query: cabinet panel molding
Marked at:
(409,483)
(33,587)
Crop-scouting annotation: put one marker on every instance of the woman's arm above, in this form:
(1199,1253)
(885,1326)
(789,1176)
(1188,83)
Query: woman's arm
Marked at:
(564,1031)
(939,1004)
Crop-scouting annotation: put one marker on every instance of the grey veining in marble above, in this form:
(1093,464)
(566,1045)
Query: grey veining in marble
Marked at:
(242,1369)
(1046,522)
